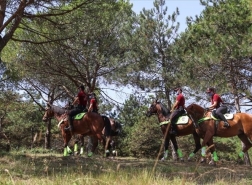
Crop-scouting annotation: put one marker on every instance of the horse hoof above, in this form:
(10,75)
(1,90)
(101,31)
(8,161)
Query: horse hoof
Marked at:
(162,159)
(202,160)
(212,163)
(90,154)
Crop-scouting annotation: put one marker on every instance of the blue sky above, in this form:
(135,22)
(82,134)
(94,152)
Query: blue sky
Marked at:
(186,8)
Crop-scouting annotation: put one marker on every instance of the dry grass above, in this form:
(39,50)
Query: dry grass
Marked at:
(54,169)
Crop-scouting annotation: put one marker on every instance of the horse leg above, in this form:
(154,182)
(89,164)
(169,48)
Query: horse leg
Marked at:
(76,144)
(113,148)
(66,138)
(80,138)
(108,138)
(166,146)
(247,144)
(82,145)
(214,157)
(208,139)
(91,146)
(197,146)
(95,144)
(177,150)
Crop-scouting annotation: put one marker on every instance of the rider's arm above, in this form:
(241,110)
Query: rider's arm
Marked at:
(75,100)
(213,105)
(174,105)
(90,107)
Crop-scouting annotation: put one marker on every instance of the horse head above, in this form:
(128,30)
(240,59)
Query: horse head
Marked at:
(157,108)
(48,113)
(152,109)
(52,111)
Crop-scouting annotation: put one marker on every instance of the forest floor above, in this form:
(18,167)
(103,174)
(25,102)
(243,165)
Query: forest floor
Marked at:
(44,165)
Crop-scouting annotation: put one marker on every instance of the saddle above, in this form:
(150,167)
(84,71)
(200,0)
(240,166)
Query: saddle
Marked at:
(215,117)
(228,116)
(182,120)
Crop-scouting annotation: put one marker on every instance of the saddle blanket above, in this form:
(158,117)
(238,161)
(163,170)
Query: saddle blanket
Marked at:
(76,117)
(227,116)
(182,120)
(79,116)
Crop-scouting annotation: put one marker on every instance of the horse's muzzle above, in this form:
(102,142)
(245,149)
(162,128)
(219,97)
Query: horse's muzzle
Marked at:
(148,114)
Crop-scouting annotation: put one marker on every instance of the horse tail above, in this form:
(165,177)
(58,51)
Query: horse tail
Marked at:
(107,125)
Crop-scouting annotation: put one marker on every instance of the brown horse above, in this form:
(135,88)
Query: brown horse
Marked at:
(184,129)
(111,132)
(91,124)
(208,126)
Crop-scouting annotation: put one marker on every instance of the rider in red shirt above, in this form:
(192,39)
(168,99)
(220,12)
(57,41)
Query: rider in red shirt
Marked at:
(93,105)
(81,101)
(178,110)
(217,103)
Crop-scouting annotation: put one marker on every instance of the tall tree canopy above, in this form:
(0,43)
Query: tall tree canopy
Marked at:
(92,48)
(153,36)
(216,48)
(15,14)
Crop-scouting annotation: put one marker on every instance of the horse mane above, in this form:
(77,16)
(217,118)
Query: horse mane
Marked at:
(164,110)
(58,110)
(195,104)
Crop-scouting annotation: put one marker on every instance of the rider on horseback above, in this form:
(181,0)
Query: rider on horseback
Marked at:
(93,105)
(178,109)
(81,100)
(216,104)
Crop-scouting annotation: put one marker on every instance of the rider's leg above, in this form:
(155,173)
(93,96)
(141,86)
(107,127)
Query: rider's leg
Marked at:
(70,122)
(174,118)
(220,111)
(71,115)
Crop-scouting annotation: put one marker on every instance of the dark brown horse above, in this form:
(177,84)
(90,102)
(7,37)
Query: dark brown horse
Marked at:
(91,124)
(240,125)
(184,129)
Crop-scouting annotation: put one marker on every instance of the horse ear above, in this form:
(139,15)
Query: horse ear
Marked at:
(156,100)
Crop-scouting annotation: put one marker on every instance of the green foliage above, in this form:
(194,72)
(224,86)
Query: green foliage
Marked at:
(154,68)
(216,47)
(141,135)
(145,138)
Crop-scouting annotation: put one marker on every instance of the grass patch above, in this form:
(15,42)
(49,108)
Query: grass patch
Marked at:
(43,168)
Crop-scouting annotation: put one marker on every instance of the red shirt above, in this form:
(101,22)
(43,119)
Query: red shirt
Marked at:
(216,98)
(181,99)
(82,98)
(94,102)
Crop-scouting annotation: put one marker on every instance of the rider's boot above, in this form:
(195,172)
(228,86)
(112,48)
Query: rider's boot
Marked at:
(226,124)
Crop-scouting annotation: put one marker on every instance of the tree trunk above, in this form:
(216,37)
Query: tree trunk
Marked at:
(48,136)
